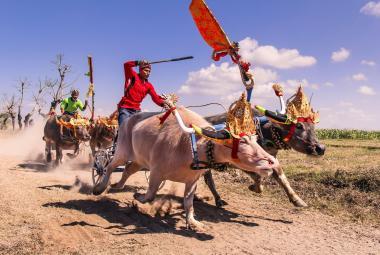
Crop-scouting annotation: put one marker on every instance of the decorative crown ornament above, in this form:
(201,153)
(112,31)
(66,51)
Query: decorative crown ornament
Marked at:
(299,107)
(240,118)
(108,122)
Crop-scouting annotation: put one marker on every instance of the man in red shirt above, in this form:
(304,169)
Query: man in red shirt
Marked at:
(136,87)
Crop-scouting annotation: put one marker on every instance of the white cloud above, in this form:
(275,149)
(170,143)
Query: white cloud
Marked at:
(341,118)
(345,104)
(368,62)
(340,55)
(267,55)
(329,84)
(293,84)
(366,90)
(371,8)
(223,80)
(359,77)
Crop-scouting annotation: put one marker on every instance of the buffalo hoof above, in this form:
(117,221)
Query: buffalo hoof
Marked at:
(117,186)
(220,203)
(197,198)
(256,188)
(195,225)
(299,203)
(140,197)
(48,158)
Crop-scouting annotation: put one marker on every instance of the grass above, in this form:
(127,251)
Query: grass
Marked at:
(348,134)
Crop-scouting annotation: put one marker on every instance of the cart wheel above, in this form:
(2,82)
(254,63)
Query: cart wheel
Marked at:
(101,160)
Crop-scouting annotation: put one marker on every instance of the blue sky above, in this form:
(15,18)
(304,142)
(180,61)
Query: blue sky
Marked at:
(275,34)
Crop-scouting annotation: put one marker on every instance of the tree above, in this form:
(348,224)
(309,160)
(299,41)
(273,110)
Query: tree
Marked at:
(58,87)
(23,85)
(38,100)
(9,107)
(4,119)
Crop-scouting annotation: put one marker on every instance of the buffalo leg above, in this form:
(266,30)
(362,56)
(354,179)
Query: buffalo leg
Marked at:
(76,150)
(58,153)
(188,203)
(280,177)
(211,185)
(154,184)
(48,152)
(258,186)
(93,147)
(130,168)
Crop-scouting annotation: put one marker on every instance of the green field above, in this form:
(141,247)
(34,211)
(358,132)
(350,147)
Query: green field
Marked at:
(347,134)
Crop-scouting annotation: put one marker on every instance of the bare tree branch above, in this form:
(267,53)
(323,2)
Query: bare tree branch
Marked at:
(38,100)
(21,88)
(59,86)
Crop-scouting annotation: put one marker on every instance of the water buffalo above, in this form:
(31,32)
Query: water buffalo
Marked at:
(276,133)
(166,151)
(63,136)
(102,134)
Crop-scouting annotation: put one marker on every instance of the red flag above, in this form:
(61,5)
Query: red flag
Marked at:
(208,26)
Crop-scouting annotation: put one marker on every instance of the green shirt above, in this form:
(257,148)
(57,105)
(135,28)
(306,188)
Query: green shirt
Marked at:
(70,106)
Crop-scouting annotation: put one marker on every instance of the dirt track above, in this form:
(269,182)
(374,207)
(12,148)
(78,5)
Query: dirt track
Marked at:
(52,211)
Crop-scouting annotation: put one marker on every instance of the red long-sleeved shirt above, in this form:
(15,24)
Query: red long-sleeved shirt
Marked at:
(138,91)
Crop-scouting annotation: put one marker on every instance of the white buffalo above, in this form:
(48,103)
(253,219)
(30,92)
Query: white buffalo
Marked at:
(166,151)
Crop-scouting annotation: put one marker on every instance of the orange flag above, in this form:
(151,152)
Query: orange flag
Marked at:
(208,26)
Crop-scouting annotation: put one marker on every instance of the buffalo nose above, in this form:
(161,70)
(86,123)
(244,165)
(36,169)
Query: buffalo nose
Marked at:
(320,149)
(273,162)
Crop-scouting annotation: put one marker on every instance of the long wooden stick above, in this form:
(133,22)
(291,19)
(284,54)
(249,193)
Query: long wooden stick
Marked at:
(90,72)
(171,60)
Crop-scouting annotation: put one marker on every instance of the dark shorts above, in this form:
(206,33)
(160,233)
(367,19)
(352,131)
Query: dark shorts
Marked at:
(125,113)
(69,113)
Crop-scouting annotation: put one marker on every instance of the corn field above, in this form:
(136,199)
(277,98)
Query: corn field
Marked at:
(347,134)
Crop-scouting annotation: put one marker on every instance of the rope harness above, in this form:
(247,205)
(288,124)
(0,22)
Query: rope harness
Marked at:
(279,142)
(210,163)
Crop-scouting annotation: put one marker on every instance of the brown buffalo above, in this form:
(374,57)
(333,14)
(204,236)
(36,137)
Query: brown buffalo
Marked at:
(63,137)
(102,134)
(277,134)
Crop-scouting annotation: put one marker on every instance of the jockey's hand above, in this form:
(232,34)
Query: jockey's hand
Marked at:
(169,100)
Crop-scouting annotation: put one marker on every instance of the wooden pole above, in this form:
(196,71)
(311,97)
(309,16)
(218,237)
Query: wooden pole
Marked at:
(90,72)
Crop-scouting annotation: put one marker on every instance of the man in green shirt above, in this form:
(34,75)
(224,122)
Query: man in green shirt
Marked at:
(70,105)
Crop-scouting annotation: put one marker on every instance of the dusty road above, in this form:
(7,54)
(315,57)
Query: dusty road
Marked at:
(52,211)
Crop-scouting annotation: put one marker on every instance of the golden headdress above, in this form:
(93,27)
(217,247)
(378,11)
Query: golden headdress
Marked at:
(240,118)
(299,107)
(108,122)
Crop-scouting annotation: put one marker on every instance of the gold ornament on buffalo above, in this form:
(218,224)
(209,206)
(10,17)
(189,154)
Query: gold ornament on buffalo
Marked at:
(108,122)
(240,118)
(300,107)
